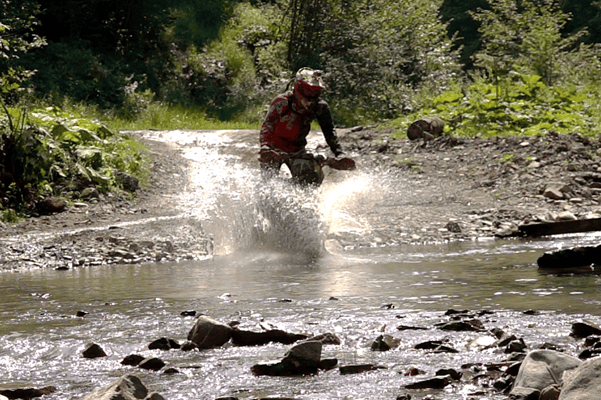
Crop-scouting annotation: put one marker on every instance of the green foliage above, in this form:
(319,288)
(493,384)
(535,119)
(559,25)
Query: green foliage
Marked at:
(9,215)
(76,71)
(523,106)
(45,150)
(168,117)
(459,22)
(17,22)
(97,49)
(375,58)
(236,70)
(197,21)
(525,37)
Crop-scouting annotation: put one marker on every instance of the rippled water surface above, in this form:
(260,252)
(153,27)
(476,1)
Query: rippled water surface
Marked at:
(357,293)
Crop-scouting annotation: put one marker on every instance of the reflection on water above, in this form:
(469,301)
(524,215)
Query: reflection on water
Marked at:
(129,306)
(357,294)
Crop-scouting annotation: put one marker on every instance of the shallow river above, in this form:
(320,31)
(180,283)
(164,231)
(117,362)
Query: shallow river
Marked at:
(357,292)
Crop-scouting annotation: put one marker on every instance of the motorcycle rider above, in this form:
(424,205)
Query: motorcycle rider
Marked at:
(283,135)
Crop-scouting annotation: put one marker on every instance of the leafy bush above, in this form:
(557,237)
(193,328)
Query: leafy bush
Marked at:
(524,106)
(526,37)
(74,70)
(376,53)
(45,151)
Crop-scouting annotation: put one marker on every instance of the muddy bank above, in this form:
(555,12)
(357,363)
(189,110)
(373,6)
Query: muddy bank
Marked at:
(472,188)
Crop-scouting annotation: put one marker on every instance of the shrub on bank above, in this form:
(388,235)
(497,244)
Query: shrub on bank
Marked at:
(46,151)
(521,106)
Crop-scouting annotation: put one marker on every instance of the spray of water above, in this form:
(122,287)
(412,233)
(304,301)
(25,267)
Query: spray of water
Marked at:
(242,212)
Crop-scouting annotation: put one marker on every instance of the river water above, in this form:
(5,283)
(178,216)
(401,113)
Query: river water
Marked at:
(284,280)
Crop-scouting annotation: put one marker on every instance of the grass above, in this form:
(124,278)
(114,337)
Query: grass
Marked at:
(171,117)
(159,116)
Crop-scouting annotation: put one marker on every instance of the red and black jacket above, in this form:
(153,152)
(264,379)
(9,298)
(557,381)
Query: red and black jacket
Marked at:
(286,125)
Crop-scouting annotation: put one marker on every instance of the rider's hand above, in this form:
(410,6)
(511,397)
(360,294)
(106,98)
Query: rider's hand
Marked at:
(269,156)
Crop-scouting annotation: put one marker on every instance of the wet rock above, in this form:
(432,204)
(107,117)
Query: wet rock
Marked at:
(439,382)
(164,344)
(498,332)
(152,364)
(592,340)
(171,371)
(454,374)
(306,351)
(128,387)
(89,192)
(302,359)
(542,368)
(249,338)
(26,393)
(128,182)
(524,393)
(505,339)
(208,333)
(93,351)
(188,313)
(445,349)
(589,353)
(428,345)
(550,393)
(584,329)
(404,397)
(516,346)
(133,360)
(473,325)
(575,257)
(549,346)
(385,343)
(413,371)
(583,382)
(52,205)
(503,383)
(453,226)
(451,312)
(553,193)
(328,364)
(513,369)
(436,345)
(514,357)
(189,345)
(411,328)
(327,338)
(358,369)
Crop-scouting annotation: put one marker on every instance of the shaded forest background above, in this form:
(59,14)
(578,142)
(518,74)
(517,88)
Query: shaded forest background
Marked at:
(70,69)
(384,58)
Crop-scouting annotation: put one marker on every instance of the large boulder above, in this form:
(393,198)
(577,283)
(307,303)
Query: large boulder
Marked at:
(302,359)
(249,338)
(582,256)
(583,383)
(208,333)
(542,368)
(128,387)
(25,393)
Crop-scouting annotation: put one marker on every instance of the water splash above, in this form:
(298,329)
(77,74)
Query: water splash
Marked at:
(242,212)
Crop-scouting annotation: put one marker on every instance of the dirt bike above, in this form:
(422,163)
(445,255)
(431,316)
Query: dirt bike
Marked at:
(287,216)
(307,168)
